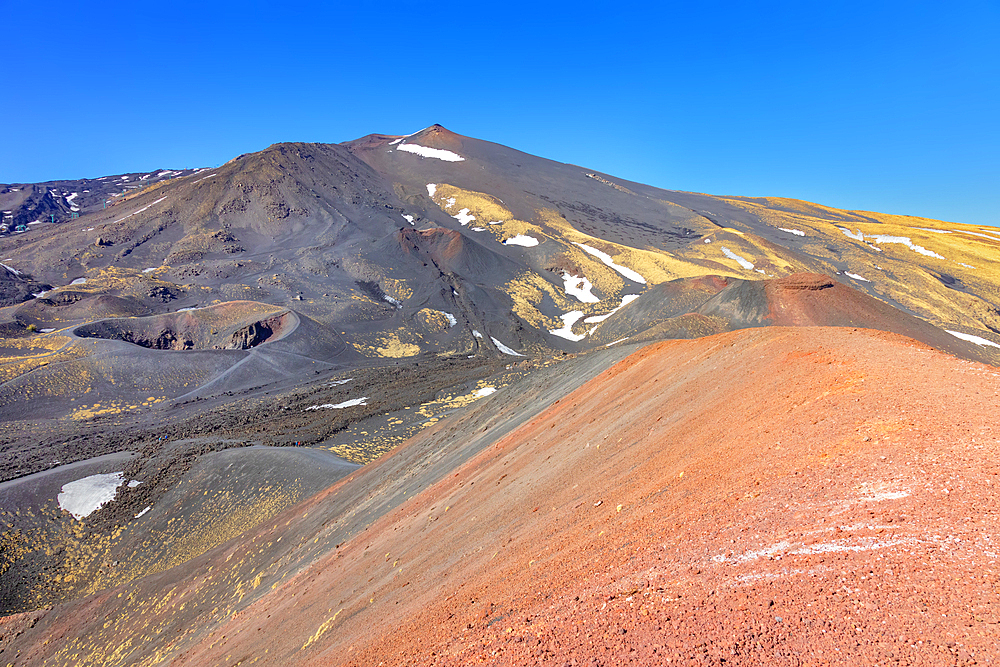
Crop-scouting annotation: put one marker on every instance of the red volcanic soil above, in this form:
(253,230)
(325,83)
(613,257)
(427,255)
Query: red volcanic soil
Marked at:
(775,496)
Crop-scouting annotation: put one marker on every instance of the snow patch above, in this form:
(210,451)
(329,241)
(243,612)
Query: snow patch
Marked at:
(340,406)
(141,209)
(746,264)
(11,269)
(792,231)
(936,231)
(452,321)
(79,281)
(408,218)
(424,151)
(883,238)
(431,189)
(626,300)
(85,496)
(464,217)
(972,339)
(856,277)
(857,237)
(606,259)
(485,391)
(149,270)
(879,238)
(143,511)
(522,240)
(579,287)
(476,334)
(503,348)
(569,319)
(985,236)
(395,302)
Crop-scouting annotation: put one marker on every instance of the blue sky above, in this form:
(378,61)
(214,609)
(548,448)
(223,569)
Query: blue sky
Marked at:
(890,106)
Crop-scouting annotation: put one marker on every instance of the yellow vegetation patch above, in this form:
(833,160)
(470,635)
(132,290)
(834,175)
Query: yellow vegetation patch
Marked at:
(390,346)
(486,209)
(327,624)
(433,321)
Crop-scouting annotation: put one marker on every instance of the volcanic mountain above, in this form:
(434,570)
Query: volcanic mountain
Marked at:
(427,305)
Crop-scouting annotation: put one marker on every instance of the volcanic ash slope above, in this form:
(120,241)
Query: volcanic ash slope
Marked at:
(764,496)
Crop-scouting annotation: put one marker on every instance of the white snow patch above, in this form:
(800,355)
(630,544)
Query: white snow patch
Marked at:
(569,319)
(132,483)
(615,342)
(336,383)
(452,321)
(340,406)
(883,238)
(184,310)
(606,258)
(463,216)
(856,277)
(936,231)
(205,178)
(476,334)
(792,231)
(408,218)
(141,209)
(503,348)
(485,391)
(626,300)
(79,281)
(479,229)
(579,287)
(11,269)
(968,266)
(522,240)
(148,507)
(708,240)
(395,302)
(49,330)
(879,238)
(985,236)
(425,151)
(149,270)
(972,339)
(496,222)
(746,264)
(87,495)
(40,295)
(431,189)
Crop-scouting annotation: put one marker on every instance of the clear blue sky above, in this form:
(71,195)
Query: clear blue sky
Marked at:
(887,106)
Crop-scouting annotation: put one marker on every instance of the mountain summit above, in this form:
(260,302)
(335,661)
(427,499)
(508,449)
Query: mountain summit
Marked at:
(189,355)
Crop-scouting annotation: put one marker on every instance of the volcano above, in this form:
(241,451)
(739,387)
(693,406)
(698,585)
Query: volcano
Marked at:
(515,409)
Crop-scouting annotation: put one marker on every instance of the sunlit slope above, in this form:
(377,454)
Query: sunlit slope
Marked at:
(586,241)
